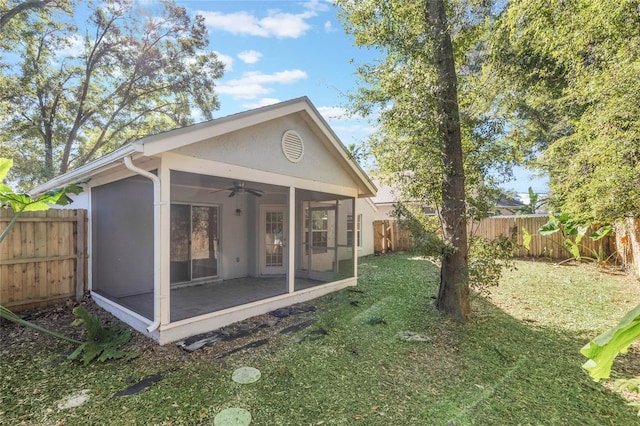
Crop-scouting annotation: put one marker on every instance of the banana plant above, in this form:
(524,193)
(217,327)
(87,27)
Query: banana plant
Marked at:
(602,351)
(21,202)
(102,343)
(572,233)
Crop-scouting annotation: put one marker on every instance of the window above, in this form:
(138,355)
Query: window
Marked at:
(350,231)
(317,222)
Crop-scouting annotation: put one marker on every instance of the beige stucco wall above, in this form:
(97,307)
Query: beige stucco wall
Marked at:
(259,147)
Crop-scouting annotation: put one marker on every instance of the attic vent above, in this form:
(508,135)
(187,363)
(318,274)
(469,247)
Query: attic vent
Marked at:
(292,146)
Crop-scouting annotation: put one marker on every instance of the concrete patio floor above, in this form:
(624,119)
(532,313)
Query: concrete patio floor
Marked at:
(195,300)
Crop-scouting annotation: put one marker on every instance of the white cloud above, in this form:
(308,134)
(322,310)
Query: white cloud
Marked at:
(333,113)
(250,56)
(74,47)
(226,60)
(262,102)
(328,27)
(276,24)
(254,84)
(317,6)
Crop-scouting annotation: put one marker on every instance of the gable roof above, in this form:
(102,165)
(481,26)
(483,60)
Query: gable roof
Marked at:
(172,139)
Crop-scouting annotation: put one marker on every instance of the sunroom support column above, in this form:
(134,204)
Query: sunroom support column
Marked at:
(165,241)
(291,241)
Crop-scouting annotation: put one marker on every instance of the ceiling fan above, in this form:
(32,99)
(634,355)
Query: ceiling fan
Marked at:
(240,188)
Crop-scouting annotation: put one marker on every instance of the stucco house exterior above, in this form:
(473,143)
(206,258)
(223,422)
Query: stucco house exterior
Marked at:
(202,226)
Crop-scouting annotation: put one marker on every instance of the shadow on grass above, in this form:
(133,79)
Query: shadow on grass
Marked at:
(351,367)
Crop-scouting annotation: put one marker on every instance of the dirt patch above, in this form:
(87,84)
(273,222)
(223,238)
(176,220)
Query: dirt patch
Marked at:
(16,338)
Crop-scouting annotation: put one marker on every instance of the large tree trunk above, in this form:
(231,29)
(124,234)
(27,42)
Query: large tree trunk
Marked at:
(453,296)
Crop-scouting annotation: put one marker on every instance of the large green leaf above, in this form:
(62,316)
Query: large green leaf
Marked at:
(573,248)
(602,350)
(526,239)
(551,227)
(5,166)
(601,232)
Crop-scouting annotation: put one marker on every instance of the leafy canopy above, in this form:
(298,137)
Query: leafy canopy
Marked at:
(69,95)
(567,77)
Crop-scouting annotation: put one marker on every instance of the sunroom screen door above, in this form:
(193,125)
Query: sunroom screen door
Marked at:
(272,239)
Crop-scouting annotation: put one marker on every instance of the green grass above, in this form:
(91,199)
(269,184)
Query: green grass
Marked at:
(516,362)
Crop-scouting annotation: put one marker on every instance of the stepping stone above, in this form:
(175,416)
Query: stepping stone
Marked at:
(232,417)
(246,375)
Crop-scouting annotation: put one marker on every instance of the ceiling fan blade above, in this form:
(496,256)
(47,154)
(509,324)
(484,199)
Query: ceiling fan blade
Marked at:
(256,192)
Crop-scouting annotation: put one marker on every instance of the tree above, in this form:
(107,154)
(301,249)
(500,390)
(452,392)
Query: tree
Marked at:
(427,145)
(571,70)
(10,10)
(133,74)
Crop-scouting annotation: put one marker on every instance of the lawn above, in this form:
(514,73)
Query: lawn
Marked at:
(516,362)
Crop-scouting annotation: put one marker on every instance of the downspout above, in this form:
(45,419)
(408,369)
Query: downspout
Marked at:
(156,239)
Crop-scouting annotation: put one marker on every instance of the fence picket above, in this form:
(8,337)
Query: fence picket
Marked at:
(40,257)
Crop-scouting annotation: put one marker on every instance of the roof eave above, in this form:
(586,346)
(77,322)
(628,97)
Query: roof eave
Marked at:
(86,171)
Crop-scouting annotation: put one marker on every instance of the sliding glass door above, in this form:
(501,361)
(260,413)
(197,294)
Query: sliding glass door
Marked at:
(194,242)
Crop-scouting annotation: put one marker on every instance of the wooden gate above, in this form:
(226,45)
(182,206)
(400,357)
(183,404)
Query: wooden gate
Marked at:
(43,258)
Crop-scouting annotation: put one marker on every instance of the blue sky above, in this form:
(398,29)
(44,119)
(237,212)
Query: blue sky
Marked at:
(278,50)
(274,51)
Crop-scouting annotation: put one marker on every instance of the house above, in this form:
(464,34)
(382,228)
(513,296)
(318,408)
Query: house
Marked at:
(385,201)
(387,197)
(203,226)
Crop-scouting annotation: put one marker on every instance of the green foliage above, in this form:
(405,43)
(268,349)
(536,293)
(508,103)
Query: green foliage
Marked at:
(72,93)
(571,71)
(488,259)
(101,343)
(602,350)
(573,231)
(424,230)
(24,202)
(534,204)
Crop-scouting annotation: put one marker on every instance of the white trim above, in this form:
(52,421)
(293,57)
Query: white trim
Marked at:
(166,141)
(204,323)
(262,268)
(291,243)
(184,163)
(131,318)
(84,172)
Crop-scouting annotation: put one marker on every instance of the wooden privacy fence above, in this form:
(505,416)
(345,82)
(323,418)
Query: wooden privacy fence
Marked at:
(42,259)
(551,246)
(388,237)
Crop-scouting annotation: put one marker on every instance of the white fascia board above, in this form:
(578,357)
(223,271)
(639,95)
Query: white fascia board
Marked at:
(86,171)
(370,189)
(184,163)
(174,139)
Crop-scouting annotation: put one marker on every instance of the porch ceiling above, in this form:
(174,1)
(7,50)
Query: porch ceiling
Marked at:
(215,183)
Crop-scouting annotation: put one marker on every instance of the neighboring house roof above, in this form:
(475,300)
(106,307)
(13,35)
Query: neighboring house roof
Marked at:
(389,195)
(166,141)
(509,202)
(386,195)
